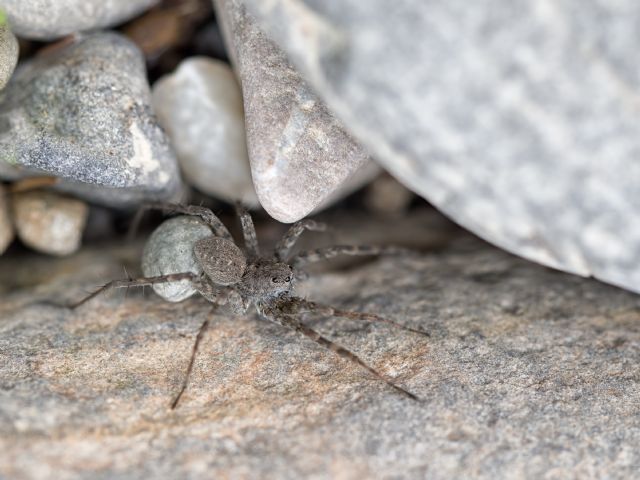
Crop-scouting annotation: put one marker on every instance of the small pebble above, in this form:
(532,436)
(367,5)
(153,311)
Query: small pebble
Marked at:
(6,225)
(49,222)
(386,196)
(200,107)
(50,19)
(170,250)
(8,51)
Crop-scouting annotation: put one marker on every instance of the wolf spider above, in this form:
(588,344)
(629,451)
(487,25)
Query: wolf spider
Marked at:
(242,278)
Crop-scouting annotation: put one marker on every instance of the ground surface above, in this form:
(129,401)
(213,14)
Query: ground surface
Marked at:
(528,373)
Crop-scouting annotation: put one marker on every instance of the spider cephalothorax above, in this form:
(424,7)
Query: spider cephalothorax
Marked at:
(240,278)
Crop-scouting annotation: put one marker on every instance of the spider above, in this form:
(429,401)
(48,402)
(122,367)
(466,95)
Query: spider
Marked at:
(242,278)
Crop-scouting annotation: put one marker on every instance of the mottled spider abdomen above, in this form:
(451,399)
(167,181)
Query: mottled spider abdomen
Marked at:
(221,259)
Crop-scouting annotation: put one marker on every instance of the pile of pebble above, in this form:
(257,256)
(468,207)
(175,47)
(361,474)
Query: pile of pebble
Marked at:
(83,111)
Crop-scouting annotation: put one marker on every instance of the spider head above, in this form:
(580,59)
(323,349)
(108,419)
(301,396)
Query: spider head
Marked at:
(264,279)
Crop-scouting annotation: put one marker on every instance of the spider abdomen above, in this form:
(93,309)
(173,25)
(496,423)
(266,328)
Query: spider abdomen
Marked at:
(222,260)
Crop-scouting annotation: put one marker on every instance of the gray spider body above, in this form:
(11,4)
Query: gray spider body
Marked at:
(241,278)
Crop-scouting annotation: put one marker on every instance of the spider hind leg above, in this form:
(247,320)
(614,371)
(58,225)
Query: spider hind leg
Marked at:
(293,323)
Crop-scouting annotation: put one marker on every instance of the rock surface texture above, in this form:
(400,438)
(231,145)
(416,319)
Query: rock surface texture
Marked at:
(8,51)
(49,19)
(520,120)
(299,152)
(84,114)
(529,373)
(49,222)
(200,107)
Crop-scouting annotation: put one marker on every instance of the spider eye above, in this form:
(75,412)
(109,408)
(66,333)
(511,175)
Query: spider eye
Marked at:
(288,279)
(274,279)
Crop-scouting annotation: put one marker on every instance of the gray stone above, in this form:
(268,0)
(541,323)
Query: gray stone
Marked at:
(200,107)
(300,154)
(170,250)
(386,196)
(518,119)
(84,114)
(49,19)
(8,52)
(49,222)
(6,224)
(529,373)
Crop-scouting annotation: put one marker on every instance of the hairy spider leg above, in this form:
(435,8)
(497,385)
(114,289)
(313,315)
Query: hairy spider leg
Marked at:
(206,215)
(248,232)
(192,359)
(325,253)
(294,324)
(286,243)
(137,282)
(300,306)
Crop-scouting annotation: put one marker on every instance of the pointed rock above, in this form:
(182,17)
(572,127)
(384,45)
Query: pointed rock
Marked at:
(300,154)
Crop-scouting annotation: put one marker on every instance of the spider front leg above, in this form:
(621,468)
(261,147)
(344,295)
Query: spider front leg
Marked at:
(273,314)
(248,232)
(205,214)
(137,282)
(325,253)
(297,306)
(290,238)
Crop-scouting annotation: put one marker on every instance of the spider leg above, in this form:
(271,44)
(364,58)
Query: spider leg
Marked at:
(136,282)
(300,305)
(294,324)
(205,214)
(248,231)
(192,359)
(325,253)
(218,297)
(291,237)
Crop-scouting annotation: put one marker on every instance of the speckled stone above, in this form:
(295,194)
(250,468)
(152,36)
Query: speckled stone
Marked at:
(6,223)
(200,107)
(8,52)
(300,154)
(83,114)
(49,222)
(170,250)
(518,119)
(49,19)
(528,373)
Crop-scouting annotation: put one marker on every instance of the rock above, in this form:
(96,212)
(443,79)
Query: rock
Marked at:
(49,19)
(529,373)
(519,121)
(386,196)
(83,114)
(48,222)
(299,152)
(200,107)
(170,250)
(6,224)
(8,51)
